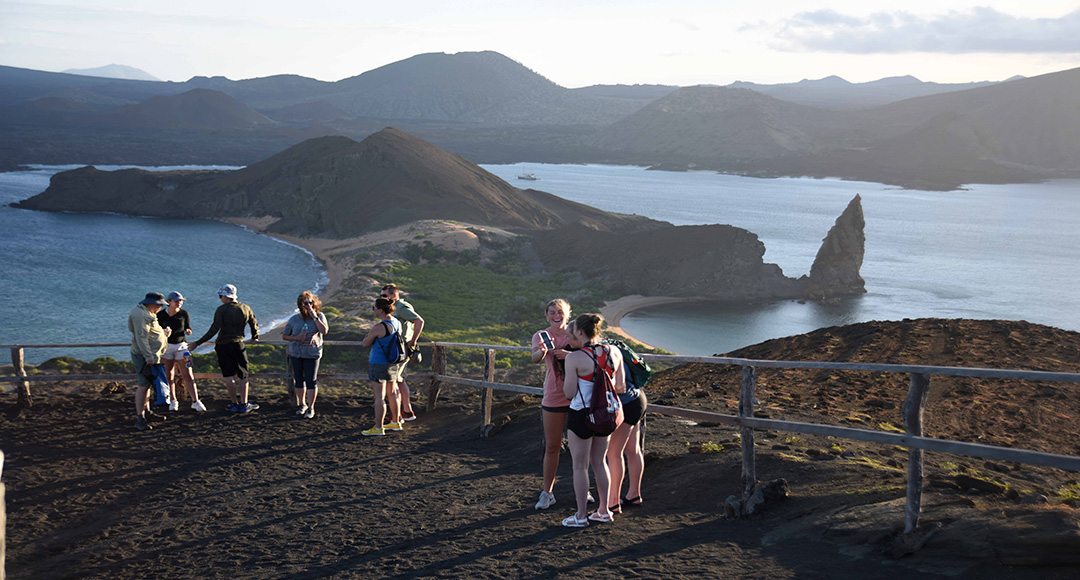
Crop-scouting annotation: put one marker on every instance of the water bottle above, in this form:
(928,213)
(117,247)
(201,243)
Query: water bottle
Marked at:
(188,359)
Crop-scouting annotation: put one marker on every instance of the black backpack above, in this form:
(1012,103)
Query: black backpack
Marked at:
(638,371)
(395,350)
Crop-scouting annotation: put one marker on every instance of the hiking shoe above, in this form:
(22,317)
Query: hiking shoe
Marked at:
(301,410)
(174,405)
(248,407)
(152,416)
(198,407)
(547,499)
(232,408)
(141,424)
(410,416)
(394,426)
(373,432)
(309,413)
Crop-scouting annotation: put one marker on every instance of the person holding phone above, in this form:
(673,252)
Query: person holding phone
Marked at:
(549,346)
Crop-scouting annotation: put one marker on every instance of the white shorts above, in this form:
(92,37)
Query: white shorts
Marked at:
(175,351)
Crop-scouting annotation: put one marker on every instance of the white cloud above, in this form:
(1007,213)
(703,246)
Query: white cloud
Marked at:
(977,30)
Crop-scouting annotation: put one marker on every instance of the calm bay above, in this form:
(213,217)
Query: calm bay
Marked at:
(987,252)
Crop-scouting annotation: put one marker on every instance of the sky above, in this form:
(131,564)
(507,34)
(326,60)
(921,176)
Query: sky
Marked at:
(574,43)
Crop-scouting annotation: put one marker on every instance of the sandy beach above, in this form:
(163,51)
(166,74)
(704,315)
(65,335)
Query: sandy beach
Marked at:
(614,311)
(336,255)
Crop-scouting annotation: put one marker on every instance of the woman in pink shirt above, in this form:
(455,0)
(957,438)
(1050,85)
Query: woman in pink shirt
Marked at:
(555,405)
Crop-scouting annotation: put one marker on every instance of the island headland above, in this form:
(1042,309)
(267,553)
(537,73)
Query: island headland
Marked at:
(327,193)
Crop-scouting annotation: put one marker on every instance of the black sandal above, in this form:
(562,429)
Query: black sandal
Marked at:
(631,501)
(615,509)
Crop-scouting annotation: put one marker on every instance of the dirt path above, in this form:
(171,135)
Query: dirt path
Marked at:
(268,495)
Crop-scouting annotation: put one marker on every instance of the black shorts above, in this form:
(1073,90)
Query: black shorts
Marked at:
(232,358)
(634,410)
(565,409)
(575,423)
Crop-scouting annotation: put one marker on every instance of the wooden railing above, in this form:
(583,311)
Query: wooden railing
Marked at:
(913,408)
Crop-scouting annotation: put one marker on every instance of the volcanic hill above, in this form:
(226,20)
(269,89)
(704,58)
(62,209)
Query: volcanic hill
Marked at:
(334,187)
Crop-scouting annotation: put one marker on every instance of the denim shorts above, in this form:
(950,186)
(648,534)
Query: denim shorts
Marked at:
(378,373)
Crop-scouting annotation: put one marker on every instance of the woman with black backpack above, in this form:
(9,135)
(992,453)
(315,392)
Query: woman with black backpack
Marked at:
(599,373)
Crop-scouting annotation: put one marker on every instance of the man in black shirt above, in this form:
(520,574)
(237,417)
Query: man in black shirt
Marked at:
(230,319)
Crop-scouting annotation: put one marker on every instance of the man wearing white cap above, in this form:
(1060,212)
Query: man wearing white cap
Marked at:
(230,319)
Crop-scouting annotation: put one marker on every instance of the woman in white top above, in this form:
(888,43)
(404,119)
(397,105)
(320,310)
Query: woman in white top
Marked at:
(585,446)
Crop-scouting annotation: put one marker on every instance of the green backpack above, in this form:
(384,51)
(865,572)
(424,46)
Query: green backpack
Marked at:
(638,371)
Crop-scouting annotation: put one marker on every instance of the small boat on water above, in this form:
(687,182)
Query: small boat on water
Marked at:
(528,176)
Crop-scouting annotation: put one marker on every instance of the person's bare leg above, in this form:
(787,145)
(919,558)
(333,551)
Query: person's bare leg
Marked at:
(406,404)
(244,391)
(393,395)
(580,454)
(140,401)
(635,462)
(554,423)
(172,373)
(597,452)
(230,386)
(616,444)
(189,381)
(379,387)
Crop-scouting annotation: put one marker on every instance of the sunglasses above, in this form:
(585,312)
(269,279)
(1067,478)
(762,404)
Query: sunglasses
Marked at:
(309,302)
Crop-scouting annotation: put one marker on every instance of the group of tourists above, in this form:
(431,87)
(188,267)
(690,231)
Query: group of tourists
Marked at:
(572,351)
(159,329)
(573,354)
(160,326)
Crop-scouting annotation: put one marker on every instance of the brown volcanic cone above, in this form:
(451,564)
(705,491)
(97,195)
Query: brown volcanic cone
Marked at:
(330,186)
(342,187)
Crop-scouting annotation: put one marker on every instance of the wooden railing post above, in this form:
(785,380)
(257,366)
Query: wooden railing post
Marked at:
(486,399)
(746,409)
(25,399)
(3,521)
(438,367)
(914,405)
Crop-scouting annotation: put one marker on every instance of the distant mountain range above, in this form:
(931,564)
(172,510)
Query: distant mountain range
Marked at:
(114,71)
(492,109)
(834,92)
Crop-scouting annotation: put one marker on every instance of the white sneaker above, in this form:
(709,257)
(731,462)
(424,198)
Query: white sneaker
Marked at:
(174,405)
(546,500)
(302,410)
(197,406)
(310,413)
(589,498)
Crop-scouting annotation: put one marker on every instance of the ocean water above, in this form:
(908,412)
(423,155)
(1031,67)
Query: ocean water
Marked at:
(988,252)
(68,278)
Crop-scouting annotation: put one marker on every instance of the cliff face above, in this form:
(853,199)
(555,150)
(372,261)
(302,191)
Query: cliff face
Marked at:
(714,261)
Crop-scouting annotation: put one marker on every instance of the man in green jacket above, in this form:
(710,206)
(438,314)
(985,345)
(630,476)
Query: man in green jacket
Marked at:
(230,319)
(148,341)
